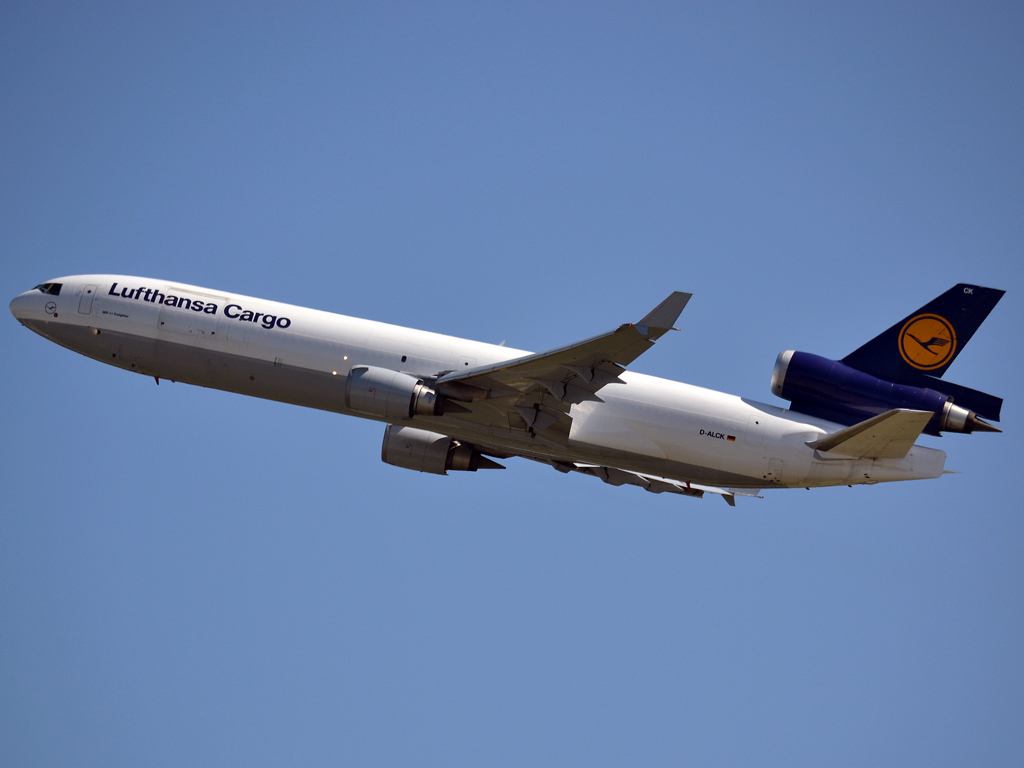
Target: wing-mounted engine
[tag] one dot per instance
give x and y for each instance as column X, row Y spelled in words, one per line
column 834, row 391
column 424, row 451
column 393, row 395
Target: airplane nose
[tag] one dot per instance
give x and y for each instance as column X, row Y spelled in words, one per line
column 22, row 305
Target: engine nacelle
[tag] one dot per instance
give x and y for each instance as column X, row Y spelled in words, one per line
column 424, row 451
column 834, row 391
column 390, row 394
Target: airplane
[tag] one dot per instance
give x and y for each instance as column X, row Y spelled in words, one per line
column 451, row 404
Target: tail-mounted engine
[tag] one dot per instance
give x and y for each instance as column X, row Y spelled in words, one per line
column 424, row 451
column 831, row 390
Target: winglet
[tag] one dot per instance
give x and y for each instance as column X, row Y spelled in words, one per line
column 663, row 317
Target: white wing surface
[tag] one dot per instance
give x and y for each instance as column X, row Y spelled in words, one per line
column 535, row 392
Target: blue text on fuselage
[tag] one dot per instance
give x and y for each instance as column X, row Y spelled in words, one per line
column 232, row 311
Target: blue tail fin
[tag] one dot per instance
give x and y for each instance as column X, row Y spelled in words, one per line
column 920, row 348
column 928, row 340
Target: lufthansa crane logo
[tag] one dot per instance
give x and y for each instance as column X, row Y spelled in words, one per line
column 927, row 342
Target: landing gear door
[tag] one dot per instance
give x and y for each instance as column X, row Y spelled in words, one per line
column 85, row 303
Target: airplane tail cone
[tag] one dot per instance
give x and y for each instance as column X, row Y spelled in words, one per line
column 976, row 424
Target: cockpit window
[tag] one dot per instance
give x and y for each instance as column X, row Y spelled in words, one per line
column 51, row 288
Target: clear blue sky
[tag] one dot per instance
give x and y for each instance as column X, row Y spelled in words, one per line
column 189, row 577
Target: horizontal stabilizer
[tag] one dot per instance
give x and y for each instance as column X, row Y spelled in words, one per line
column 889, row 435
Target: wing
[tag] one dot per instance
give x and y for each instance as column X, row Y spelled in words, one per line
column 534, row 393
column 652, row 483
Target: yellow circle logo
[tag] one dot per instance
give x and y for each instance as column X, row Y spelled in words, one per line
column 927, row 342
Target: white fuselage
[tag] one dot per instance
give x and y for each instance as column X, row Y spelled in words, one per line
column 303, row 356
